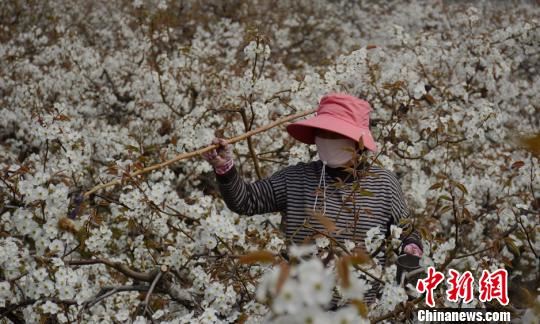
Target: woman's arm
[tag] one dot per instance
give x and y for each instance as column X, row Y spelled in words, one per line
column 263, row 196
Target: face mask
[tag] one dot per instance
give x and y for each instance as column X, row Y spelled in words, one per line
column 333, row 150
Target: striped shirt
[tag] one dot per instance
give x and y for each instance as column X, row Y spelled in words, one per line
column 292, row 191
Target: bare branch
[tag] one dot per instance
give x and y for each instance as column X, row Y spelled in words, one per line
column 106, row 292
column 252, row 152
column 152, row 287
column 124, row 269
column 9, row 310
column 202, row 150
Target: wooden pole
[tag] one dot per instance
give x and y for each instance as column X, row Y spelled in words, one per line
column 187, row 155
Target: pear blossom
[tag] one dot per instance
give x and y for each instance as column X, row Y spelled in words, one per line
column 5, row 293
column 316, row 282
column 299, row 251
column 50, row 308
column 374, row 238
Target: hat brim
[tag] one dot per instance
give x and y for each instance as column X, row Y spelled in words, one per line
column 304, row 130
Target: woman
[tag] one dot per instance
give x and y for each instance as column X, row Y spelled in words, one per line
column 339, row 126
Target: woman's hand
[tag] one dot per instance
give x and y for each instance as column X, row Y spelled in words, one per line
column 222, row 158
column 413, row 249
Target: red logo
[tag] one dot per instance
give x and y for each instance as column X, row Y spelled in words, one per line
column 461, row 286
column 433, row 279
column 494, row 286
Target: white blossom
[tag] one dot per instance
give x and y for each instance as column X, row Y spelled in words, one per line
column 374, row 238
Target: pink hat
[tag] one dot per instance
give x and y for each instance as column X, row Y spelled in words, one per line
column 340, row 113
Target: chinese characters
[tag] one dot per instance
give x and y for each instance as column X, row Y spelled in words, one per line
column 492, row 285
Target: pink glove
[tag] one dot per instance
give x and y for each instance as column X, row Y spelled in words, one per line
column 222, row 158
column 413, row 249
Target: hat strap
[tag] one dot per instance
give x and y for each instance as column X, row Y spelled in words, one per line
column 323, row 180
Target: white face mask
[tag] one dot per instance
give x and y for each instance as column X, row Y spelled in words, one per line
column 333, row 150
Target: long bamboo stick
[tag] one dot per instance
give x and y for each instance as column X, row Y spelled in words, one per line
column 183, row 156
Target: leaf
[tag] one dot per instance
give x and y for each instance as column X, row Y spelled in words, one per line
column 242, row 318
column 461, row 187
column 361, row 143
column 138, row 165
column 262, row 256
column 325, row 221
column 517, row 164
column 511, row 245
column 66, row 224
column 62, row 117
column 530, row 143
column 445, row 197
column 496, row 246
column 436, row 186
column 394, row 86
column 112, row 169
column 429, row 98
column 507, row 262
column 23, row 169
column 425, row 233
column 132, row 225
column 526, row 296
column 365, row 192
column 339, row 183
column 359, row 256
column 143, row 158
column 405, row 221
column 467, row 214
column 132, row 148
column 150, row 244
column 151, row 148
column 368, row 212
column 158, row 303
column 342, row 266
column 371, row 46
column 444, row 209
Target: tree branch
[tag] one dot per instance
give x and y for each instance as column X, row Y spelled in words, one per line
column 106, row 292
column 202, row 150
column 163, row 269
column 250, row 145
column 124, row 269
column 9, row 310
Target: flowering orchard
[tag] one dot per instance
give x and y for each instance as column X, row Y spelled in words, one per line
column 92, row 91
